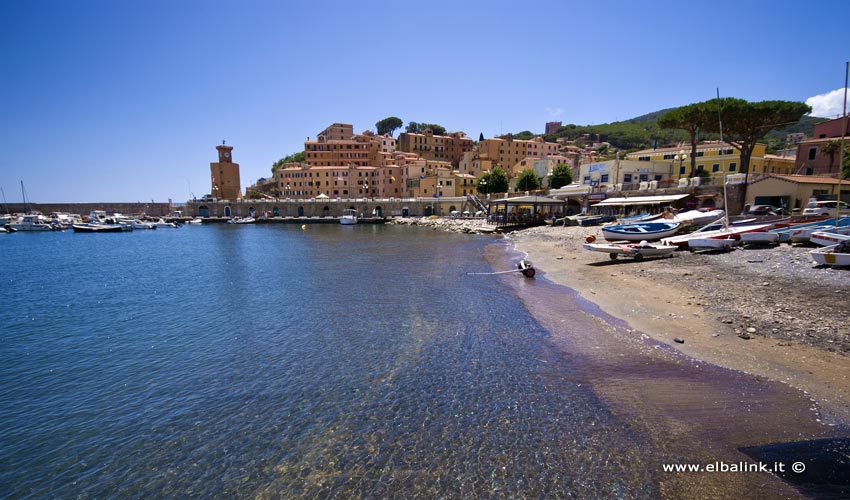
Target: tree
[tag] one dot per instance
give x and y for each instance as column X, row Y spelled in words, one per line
column 481, row 137
column 527, row 181
column 494, row 182
column 561, row 176
column 418, row 128
column 831, row 148
column 388, row 125
column 412, row 128
column 691, row 118
column 293, row 158
column 746, row 123
column 845, row 171
column 525, row 135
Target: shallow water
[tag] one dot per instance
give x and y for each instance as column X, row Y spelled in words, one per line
column 274, row 362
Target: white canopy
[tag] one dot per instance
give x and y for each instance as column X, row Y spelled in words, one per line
column 641, row 200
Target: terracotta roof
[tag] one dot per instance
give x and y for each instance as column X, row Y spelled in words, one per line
column 810, row 179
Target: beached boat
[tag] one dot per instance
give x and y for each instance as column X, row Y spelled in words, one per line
column 635, row 250
column 724, row 244
column 760, row 238
column 729, row 232
column 834, row 255
column 644, row 231
column 699, row 218
column 832, row 237
column 803, row 234
column 349, row 217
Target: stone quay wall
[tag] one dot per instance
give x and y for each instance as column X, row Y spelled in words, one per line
column 150, row 209
column 327, row 208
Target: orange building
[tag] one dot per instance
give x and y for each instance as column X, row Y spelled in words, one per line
column 224, row 176
column 507, row 151
column 449, row 147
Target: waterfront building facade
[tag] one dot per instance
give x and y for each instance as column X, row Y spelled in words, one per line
column 794, row 191
column 714, row 158
column 448, row 148
column 813, row 156
column 224, row 175
column 507, row 151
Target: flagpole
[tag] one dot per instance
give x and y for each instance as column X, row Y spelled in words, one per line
column 841, row 149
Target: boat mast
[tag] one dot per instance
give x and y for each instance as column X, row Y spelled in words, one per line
column 725, row 201
column 5, row 203
column 24, row 197
column 841, row 149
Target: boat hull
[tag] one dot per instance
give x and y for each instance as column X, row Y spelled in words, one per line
column 724, row 244
column 98, row 228
column 636, row 250
column 827, row 256
column 640, row 232
column 826, row 238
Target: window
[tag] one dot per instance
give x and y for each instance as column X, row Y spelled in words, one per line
column 813, row 152
column 682, row 169
column 700, row 153
column 627, row 177
column 715, row 167
column 586, row 179
column 733, row 166
column 603, row 178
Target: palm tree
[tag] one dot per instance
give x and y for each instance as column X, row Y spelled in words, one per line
column 831, row 148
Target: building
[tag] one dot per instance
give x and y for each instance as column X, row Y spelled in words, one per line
column 338, row 146
column 794, row 191
column 624, row 174
column 507, row 151
column 779, row 164
column 449, row 147
column 714, row 158
column 224, row 175
column 552, row 127
column 813, row 158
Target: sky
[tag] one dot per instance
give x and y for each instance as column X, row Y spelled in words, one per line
column 104, row 101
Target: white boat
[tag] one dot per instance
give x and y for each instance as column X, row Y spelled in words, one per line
column 139, row 224
column 832, row 237
column 161, row 223
column 241, row 220
column 635, row 250
column 759, row 238
column 196, row 220
column 724, row 244
column 349, row 217
column 699, row 217
column 640, row 231
column 31, row 222
column 98, row 227
column 803, row 234
column 834, row 255
column 730, row 232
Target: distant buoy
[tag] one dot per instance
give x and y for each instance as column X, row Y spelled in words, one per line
column 303, row 227
column 590, row 239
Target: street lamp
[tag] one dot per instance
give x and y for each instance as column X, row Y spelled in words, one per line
column 483, row 184
column 681, row 156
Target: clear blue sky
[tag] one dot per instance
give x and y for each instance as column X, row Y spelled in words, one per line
column 126, row 100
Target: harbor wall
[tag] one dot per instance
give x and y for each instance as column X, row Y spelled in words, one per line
column 327, row 208
column 151, row 209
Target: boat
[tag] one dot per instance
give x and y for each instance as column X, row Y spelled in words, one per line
column 139, row 224
column 760, row 238
column 833, row 255
column 699, row 218
column 98, row 227
column 644, row 231
column 803, row 234
column 349, row 217
column 724, row 244
column 832, row 237
column 635, row 250
column 728, row 232
column 241, row 220
column 31, row 222
column 195, row 221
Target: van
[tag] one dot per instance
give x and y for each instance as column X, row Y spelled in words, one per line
column 826, row 208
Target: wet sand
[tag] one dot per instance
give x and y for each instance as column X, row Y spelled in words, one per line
column 700, row 400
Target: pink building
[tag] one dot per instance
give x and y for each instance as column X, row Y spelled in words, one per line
column 811, row 157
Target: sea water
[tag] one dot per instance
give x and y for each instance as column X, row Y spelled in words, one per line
column 246, row 361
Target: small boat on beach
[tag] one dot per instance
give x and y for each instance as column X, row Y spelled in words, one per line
column 349, row 217
column 642, row 231
column 724, row 244
column 834, row 255
column 828, row 238
column 635, row 250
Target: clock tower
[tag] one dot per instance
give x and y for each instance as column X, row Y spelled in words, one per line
column 224, row 175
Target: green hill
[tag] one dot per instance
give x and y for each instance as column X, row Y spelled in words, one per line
column 642, row 132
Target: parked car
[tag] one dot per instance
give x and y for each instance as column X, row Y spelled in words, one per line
column 826, row 208
column 764, row 210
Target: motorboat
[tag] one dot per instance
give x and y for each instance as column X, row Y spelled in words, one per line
column 241, row 220
column 140, row 224
column 640, row 231
column 635, row 250
column 161, row 223
column 98, row 227
column 195, row 221
column 31, row 222
column 349, row 217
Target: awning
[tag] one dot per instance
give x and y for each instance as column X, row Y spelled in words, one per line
column 640, row 200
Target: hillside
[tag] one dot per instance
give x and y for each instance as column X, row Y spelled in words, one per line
column 642, row 132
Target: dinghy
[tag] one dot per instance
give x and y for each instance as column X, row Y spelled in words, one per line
column 635, row 250
column 644, row 231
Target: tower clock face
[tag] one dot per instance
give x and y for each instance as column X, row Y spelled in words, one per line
column 226, row 154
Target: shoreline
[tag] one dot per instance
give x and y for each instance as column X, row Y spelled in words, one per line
column 712, row 305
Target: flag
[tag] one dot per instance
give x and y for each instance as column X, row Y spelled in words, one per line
column 655, row 145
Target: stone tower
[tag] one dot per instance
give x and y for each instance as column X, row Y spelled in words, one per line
column 224, row 175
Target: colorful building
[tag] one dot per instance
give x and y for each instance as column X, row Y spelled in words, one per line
column 448, row 148
column 224, row 175
column 813, row 156
column 715, row 158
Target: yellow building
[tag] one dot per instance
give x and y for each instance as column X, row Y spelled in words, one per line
column 794, row 191
column 224, row 176
column 713, row 157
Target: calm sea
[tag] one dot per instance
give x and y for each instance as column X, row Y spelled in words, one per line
column 268, row 361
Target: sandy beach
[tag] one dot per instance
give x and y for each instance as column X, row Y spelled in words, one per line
column 767, row 312
column 754, row 349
